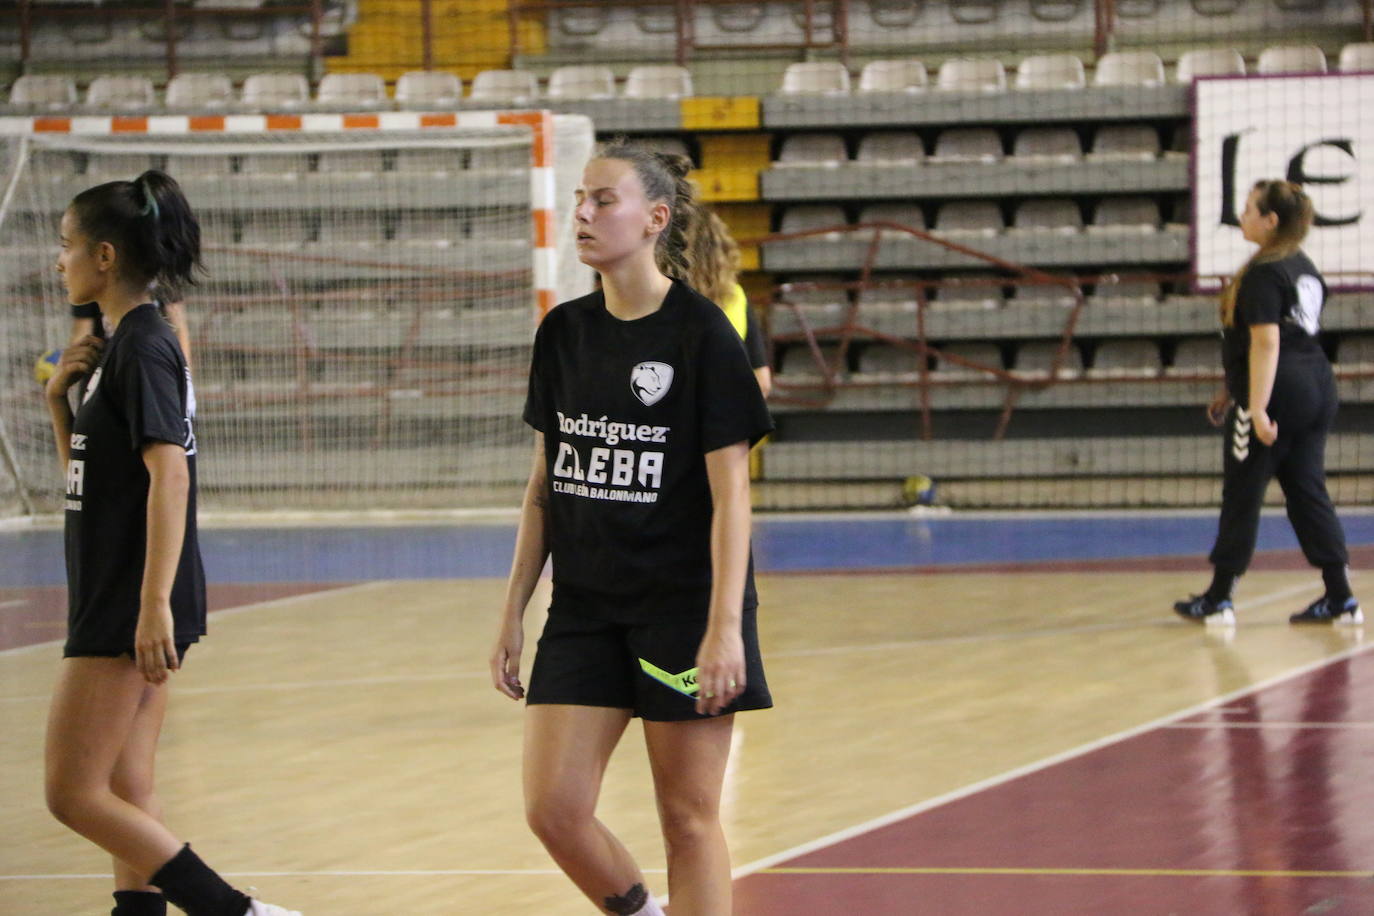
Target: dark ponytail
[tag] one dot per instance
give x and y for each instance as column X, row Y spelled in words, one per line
column 664, row 177
column 148, row 221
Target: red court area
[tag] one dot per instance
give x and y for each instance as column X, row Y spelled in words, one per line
column 1260, row 806
column 36, row 615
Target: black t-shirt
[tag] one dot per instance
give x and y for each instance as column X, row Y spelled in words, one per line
column 1288, row 292
column 137, row 395
column 753, row 341
column 629, row 410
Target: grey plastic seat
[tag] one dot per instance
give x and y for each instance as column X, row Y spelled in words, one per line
column 1196, row 354
column 658, row 82
column 969, row 217
column 976, row 295
column 1125, row 294
column 888, row 359
column 268, row 91
column 968, row 144
column 1357, row 57
column 121, row 93
column 43, row 92
column 986, row 355
column 361, row 91
column 805, row 217
column 1126, row 214
column 890, row 148
column 1050, row 71
column 200, row 91
column 812, row 149
column 582, row 82
column 1126, row 358
column 1125, row 141
column 504, row 86
column 1034, row 357
column 908, row 75
column 1291, row 59
column 1129, row 68
column 1208, row 62
column 971, row 74
column 1043, row 295
column 1047, row 215
column 903, row 214
column 815, row 78
column 428, row 89
column 1050, row 144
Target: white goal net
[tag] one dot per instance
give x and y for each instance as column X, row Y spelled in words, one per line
column 362, row 338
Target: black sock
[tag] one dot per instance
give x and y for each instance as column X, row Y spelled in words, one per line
column 189, row 883
column 139, row 903
column 1337, row 581
column 1223, row 583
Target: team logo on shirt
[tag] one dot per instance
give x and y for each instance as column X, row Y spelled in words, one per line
column 650, row 381
column 93, row 384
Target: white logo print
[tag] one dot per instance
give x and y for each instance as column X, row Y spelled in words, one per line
column 650, row 381
column 1240, row 436
column 92, row 384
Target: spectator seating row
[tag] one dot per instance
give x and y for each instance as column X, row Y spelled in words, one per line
column 984, row 218
column 425, row 89
column 971, row 144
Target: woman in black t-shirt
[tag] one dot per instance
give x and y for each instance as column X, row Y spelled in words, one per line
column 1278, row 406
column 136, row 589
column 644, row 409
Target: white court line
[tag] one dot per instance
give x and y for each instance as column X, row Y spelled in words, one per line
column 869, row 826
column 17, row 602
column 227, row 612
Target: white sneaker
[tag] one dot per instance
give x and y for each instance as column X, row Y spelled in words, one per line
column 258, row 908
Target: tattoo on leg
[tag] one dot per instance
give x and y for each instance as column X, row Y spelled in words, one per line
column 632, row 901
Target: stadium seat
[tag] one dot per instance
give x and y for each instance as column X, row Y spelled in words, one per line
column 805, row 217
column 1030, row 295
column 894, row 76
column 582, row 82
column 812, row 149
column 1357, row 57
column 200, row 91
column 265, row 91
column 1291, row 59
column 1126, row 214
column 1355, row 350
column 1060, row 144
column 888, row 359
column 428, row 89
column 1047, row 215
column 1126, row 357
column 505, row 86
column 890, row 148
column 655, row 82
column 975, row 295
column 1050, row 71
column 1137, row 9
column 1036, row 356
column 969, row 217
column 971, row 74
column 1125, row 294
column 815, row 78
column 1056, row 10
column 361, row 91
column 903, row 214
column 1129, row 68
column 1208, row 62
column 121, row 93
column 43, row 92
column 1196, row 354
column 1125, row 141
column 968, row 144
column 988, row 355
column 426, row 229
column 974, row 12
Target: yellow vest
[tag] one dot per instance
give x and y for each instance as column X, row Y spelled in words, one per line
column 736, row 308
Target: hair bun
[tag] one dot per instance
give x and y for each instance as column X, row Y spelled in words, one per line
column 677, row 164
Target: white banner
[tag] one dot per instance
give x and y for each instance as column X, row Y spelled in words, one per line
column 1315, row 130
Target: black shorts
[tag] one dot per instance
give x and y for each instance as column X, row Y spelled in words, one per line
column 182, row 649
column 587, row 661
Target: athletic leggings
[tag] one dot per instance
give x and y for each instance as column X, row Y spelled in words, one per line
column 1303, row 404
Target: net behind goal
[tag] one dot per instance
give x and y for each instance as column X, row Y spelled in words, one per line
column 362, row 338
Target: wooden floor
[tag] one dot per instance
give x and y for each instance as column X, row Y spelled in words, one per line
column 343, row 752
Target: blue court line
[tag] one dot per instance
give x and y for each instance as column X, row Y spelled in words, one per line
column 353, row 554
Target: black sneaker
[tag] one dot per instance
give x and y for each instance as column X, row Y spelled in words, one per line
column 1201, row 609
column 1323, row 611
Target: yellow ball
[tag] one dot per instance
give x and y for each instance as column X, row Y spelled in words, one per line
column 918, row 490
column 46, row 366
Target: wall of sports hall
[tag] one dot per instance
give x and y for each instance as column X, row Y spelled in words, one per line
column 984, row 241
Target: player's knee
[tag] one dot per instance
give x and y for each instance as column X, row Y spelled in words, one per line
column 553, row 816
column 688, row 821
column 65, row 801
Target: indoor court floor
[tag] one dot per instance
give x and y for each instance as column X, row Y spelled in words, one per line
column 984, row 715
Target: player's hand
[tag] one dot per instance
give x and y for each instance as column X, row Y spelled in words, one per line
column 505, row 659
column 1266, row 430
column 720, row 670
column 1216, row 411
column 77, row 361
column 155, row 650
